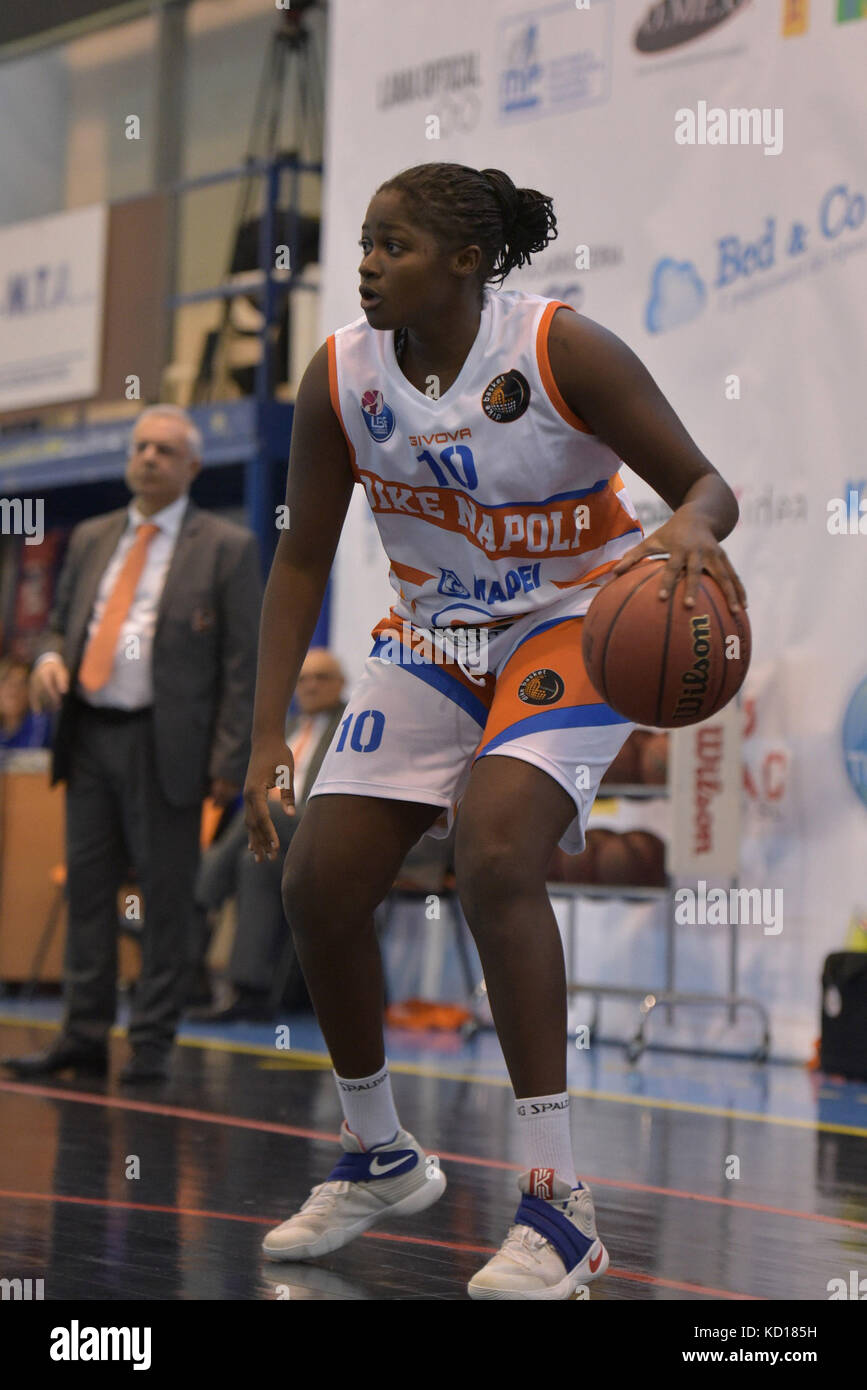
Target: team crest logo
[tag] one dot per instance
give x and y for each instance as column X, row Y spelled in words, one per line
column 506, row 397
column 378, row 416
column 542, row 687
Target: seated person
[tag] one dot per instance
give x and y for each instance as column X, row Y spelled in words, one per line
column 228, row 869
column 20, row 727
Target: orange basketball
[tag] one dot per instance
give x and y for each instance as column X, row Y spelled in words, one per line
column 653, row 760
column 657, row 662
column 581, row 868
column 626, row 767
column 614, row 860
column 647, row 858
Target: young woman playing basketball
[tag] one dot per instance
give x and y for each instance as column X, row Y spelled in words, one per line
column 487, row 428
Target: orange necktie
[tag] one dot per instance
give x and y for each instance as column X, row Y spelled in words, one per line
column 302, row 738
column 98, row 662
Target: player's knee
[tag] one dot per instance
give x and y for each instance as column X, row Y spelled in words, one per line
column 300, row 890
column 489, row 866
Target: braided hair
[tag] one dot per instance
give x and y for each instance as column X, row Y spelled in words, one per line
column 464, row 206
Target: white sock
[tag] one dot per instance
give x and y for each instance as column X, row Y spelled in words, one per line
column 543, row 1124
column 368, row 1107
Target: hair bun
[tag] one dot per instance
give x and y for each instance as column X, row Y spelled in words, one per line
column 507, row 195
column 464, row 206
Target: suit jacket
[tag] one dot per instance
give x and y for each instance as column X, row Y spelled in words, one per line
column 204, row 651
column 336, row 714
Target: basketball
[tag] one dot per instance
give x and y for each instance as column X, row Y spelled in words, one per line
column 656, row 661
column 626, row 767
column 580, row 868
column 653, row 760
column 647, row 858
column 614, row 859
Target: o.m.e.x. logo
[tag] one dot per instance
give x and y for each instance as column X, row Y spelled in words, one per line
column 542, row 687
column 506, row 397
column 673, row 22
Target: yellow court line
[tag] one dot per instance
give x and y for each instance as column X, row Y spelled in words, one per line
column 321, row 1061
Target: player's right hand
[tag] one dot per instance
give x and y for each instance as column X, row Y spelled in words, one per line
column 48, row 684
column 271, row 765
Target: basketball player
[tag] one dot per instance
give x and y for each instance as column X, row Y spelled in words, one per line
column 487, row 429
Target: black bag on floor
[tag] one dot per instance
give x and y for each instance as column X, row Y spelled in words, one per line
column 844, row 1015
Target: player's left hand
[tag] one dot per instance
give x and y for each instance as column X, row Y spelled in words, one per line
column 690, row 546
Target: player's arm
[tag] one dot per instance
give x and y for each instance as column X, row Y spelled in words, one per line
column 318, row 489
column 610, row 389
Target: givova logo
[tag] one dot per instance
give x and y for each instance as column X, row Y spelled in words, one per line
column 769, row 257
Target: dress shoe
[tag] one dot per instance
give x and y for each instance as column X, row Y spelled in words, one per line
column 198, row 992
column 242, row 1006
column 63, row 1055
column 146, row 1064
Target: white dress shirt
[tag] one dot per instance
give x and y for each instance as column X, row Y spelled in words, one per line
column 303, row 745
column 130, row 685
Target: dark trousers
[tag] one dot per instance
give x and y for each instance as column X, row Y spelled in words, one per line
column 117, row 818
column 228, row 868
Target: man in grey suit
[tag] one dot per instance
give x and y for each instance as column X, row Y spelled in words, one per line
column 150, row 661
column 228, row 868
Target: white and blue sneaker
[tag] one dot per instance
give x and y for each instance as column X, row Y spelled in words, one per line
column 366, row 1186
column 552, row 1248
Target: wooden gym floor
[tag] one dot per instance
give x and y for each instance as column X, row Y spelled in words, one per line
column 232, row 1143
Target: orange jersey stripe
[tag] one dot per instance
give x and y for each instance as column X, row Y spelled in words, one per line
column 553, row 530
column 335, row 402
column 545, row 372
column 559, row 648
column 589, row 576
column 411, row 575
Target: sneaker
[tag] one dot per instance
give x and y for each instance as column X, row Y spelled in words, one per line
column 552, row 1248
column 393, row 1179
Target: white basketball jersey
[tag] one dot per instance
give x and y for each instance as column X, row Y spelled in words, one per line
column 493, row 498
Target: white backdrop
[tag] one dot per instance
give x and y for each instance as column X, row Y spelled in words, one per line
column 712, row 261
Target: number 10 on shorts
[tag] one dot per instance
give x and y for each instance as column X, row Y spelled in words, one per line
column 365, row 738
